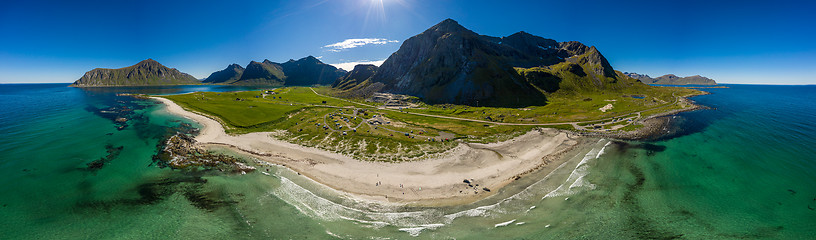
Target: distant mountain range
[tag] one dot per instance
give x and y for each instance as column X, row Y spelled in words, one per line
column 145, row 73
column 446, row 63
column 671, row 79
column 305, row 71
column 449, row 63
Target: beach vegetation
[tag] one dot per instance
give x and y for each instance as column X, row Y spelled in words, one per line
column 366, row 130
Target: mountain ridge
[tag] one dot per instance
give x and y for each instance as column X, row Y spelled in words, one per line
column 447, row 63
column 671, row 79
column 262, row 73
column 147, row 72
column 303, row 72
column 230, row 74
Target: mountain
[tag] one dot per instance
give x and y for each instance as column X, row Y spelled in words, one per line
column 309, row 71
column 671, row 79
column 303, row 72
column 145, row 73
column 642, row 77
column 357, row 83
column 230, row 74
column 262, row 73
column 449, row 63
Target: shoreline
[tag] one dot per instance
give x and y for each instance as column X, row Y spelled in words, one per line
column 465, row 174
column 654, row 126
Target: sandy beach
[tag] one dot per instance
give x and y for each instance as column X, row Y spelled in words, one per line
column 439, row 181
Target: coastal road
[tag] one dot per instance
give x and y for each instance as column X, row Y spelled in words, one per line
column 574, row 123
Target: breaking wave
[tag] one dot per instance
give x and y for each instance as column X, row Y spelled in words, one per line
column 415, row 221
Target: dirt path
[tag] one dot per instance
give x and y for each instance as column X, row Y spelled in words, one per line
column 574, row 123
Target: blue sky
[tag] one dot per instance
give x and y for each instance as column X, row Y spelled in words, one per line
column 733, row 42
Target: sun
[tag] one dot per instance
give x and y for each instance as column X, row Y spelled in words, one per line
column 376, row 11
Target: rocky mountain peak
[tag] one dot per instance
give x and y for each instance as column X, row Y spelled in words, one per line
column 363, row 67
column 670, row 76
column 149, row 63
column 310, row 70
column 521, row 34
column 449, row 26
column 573, row 48
column 310, row 58
column 230, row 74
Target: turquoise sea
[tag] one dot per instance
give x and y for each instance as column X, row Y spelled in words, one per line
column 78, row 164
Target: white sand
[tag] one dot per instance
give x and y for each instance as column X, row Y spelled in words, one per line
column 427, row 182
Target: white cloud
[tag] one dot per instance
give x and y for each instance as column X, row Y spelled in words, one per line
column 348, row 66
column 357, row 42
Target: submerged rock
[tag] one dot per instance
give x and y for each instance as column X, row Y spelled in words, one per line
column 112, row 151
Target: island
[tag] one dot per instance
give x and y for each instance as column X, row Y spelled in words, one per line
column 145, row 73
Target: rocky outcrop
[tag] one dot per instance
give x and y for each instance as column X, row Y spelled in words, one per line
column 181, row 151
column 145, row 73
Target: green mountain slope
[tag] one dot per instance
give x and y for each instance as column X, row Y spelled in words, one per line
column 145, row 73
column 309, row 71
column 230, row 74
column 359, row 74
column 262, row 73
column 450, row 64
column 357, row 83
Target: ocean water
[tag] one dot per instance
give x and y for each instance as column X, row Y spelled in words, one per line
column 72, row 168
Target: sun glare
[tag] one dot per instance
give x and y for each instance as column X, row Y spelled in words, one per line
column 376, row 11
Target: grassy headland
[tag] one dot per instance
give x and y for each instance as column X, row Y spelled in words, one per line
column 370, row 131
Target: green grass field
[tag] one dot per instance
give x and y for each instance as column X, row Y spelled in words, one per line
column 364, row 130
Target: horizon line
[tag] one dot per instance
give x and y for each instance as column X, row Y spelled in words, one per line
column 777, row 84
